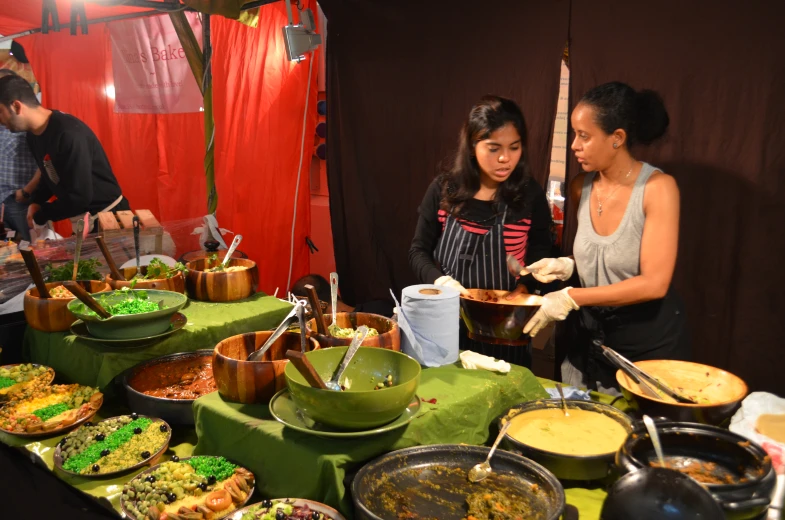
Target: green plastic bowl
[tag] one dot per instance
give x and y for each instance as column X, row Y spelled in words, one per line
column 361, row 407
column 130, row 326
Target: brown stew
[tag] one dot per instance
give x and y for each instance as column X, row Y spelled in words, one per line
column 188, row 378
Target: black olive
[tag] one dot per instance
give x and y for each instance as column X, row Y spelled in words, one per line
column 62, row 441
column 316, row 515
column 163, row 428
column 280, row 515
column 150, row 479
column 96, row 467
column 203, row 486
column 171, row 497
column 175, row 458
column 134, row 416
column 267, row 504
column 145, row 454
column 100, row 437
column 88, row 423
column 104, row 453
column 137, row 431
column 211, row 480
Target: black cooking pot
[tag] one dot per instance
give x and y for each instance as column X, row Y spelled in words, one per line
column 564, row 466
column 657, row 493
column 417, row 480
column 748, row 495
column 173, row 411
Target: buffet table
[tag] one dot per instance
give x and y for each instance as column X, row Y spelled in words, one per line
column 94, row 364
column 289, row 463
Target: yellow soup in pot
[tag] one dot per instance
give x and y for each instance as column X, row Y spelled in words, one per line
column 582, row 433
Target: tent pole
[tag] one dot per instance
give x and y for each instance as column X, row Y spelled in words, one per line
column 89, row 22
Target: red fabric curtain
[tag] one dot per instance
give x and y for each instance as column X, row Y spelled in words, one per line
column 259, row 104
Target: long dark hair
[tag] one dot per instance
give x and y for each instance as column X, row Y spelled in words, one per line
column 641, row 115
column 462, row 180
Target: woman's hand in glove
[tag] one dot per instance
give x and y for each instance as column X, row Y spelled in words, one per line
column 555, row 307
column 449, row 281
column 549, row 269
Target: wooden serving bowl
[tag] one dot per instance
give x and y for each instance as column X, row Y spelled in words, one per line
column 176, row 283
column 389, row 334
column 221, row 286
column 251, row 382
column 719, row 393
column 52, row 314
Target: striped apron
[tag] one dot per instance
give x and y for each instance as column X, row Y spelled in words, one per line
column 477, row 259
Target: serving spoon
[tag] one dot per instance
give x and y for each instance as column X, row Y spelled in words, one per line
column 257, row 355
column 563, row 402
column 335, row 382
column 78, row 249
column 655, row 439
column 232, row 249
column 483, row 470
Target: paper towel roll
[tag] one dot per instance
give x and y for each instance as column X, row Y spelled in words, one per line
column 428, row 317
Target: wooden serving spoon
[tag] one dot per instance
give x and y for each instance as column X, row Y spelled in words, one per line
column 305, row 367
column 316, row 309
column 35, row 272
column 88, row 300
column 116, row 273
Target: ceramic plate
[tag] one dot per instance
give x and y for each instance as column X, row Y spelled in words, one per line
column 284, row 410
column 151, row 460
column 79, row 329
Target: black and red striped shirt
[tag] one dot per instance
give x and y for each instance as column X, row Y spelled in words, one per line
column 527, row 234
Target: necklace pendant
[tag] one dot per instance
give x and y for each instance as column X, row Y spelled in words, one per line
column 599, row 210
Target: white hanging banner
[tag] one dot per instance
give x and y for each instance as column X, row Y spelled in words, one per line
column 150, row 68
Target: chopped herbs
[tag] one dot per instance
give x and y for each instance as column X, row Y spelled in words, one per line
column 158, row 270
column 6, row 382
column 50, row 411
column 135, row 302
column 218, row 467
column 88, row 270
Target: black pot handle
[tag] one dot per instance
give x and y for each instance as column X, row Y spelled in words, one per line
column 745, row 504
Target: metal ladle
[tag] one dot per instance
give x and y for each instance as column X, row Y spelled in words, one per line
column 655, row 438
column 483, row 470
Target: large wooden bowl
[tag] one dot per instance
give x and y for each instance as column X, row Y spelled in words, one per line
column 389, row 334
column 176, row 283
column 221, row 286
column 52, row 314
column 253, row 381
column 719, row 393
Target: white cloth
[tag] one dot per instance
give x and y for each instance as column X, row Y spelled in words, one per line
column 474, row 361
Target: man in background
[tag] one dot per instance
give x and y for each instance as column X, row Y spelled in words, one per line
column 19, row 176
column 74, row 167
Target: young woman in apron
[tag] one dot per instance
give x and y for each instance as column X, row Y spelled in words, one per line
column 484, row 208
column 626, row 244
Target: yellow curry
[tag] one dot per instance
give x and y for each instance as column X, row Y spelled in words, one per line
column 582, row 433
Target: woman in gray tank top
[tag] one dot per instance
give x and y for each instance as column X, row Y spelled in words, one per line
column 626, row 244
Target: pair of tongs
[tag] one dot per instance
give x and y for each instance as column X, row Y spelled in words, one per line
column 297, row 313
column 646, row 382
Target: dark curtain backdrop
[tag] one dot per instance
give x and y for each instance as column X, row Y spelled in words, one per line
column 402, row 77
column 719, row 67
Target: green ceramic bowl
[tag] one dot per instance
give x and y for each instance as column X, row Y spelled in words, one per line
column 130, row 326
column 361, row 407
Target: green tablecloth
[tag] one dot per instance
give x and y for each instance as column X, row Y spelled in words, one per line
column 289, row 463
column 94, row 364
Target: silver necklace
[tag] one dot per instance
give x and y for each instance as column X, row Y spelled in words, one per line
column 601, row 202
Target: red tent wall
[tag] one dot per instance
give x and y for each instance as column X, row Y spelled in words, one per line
column 259, row 103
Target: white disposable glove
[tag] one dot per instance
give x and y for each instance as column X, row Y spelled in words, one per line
column 449, row 281
column 473, row 361
column 549, row 269
column 555, row 307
